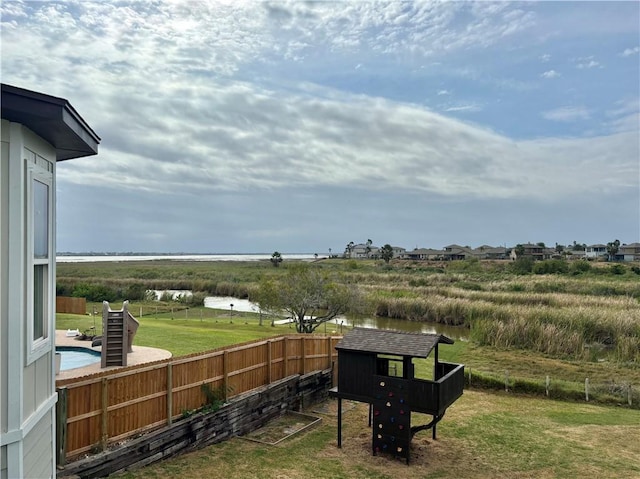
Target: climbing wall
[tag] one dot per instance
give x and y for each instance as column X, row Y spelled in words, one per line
column 391, row 417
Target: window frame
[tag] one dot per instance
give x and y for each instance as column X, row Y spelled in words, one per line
column 38, row 347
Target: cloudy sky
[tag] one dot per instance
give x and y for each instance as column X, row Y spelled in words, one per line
column 301, row 126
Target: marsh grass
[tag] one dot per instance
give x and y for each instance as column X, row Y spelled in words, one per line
column 581, row 315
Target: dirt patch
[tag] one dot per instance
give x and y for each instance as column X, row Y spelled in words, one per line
column 282, row 427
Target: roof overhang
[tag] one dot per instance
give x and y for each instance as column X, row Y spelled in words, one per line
column 53, row 119
column 383, row 341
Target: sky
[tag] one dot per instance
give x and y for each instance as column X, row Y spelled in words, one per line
column 253, row 127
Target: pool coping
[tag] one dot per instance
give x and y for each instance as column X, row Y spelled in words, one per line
column 140, row 355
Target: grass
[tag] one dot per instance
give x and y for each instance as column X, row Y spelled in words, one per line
column 483, row 435
column 202, row 329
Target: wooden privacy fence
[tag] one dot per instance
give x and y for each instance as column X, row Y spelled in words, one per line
column 95, row 411
column 67, row 304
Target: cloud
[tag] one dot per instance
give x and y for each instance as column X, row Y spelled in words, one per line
column 550, row 74
column 630, row 51
column 587, row 63
column 567, row 114
column 471, row 108
column 219, row 112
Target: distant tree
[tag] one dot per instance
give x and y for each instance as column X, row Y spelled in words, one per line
column 367, row 249
column 541, row 244
column 578, row 247
column 519, row 249
column 308, row 296
column 315, row 255
column 276, row 259
column 612, row 249
column 386, row 253
column 559, row 248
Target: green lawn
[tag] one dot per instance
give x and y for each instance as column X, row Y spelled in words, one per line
column 483, row 435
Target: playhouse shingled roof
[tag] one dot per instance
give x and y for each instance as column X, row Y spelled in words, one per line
column 382, row 341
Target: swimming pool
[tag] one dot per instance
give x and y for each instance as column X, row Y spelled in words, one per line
column 73, row 357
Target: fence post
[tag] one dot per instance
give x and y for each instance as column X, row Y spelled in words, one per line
column 61, row 426
column 285, row 356
column 105, row 419
column 586, row 389
column 329, row 362
column 506, row 380
column 225, row 374
column 269, row 361
column 629, row 394
column 169, row 393
column 547, row 386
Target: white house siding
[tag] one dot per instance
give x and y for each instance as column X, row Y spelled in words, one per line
column 40, row 438
column 4, row 276
column 28, row 398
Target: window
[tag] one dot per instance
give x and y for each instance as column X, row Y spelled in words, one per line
column 39, row 258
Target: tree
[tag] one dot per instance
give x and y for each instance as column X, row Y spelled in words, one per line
column 307, row 295
column 386, row 253
column 519, row 249
column 367, row 248
column 612, row 249
column 276, row 259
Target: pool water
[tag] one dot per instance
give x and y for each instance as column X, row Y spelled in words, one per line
column 73, row 357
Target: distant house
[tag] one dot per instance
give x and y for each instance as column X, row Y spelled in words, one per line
column 533, row 251
column 398, row 251
column 359, row 251
column 595, row 251
column 575, row 254
column 456, row 252
column 37, row 132
column 628, row 252
column 490, row 252
column 423, row 254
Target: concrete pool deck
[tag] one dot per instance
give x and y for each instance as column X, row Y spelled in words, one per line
column 140, row 355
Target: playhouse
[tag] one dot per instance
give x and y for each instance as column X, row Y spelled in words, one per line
column 376, row 367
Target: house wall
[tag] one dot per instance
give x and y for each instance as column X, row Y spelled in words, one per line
column 4, row 276
column 27, row 371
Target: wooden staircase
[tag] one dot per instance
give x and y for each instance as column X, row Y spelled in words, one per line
column 114, row 335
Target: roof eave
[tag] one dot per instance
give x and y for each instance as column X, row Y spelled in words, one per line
column 54, row 119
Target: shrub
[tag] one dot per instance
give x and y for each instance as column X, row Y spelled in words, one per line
column 580, row 266
column 94, row 292
column 551, row 266
column 522, row 265
column 617, row 269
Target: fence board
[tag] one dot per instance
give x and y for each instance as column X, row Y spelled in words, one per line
column 140, row 398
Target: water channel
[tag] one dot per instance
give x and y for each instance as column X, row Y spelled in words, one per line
column 341, row 323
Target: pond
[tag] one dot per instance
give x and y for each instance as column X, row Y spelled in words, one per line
column 228, row 303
